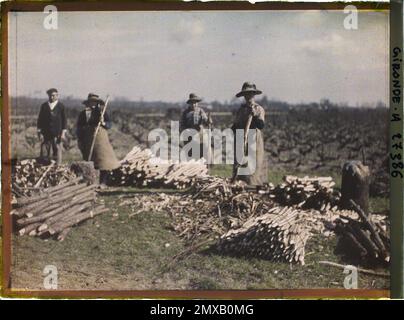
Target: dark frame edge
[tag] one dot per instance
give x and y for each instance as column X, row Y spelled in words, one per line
column 396, row 183
column 5, row 154
column 204, row 294
column 178, row 5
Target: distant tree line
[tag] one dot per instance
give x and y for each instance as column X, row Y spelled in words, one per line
column 24, row 105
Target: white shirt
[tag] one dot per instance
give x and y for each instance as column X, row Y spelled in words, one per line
column 88, row 114
column 52, row 105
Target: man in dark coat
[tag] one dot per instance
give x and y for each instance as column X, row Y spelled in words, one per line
column 103, row 155
column 52, row 126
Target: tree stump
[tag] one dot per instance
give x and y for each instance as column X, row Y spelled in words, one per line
column 86, row 170
column 355, row 185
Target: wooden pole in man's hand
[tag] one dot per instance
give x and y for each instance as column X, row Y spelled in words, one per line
column 97, row 129
column 209, row 142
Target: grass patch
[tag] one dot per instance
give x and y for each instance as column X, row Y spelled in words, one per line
column 379, row 205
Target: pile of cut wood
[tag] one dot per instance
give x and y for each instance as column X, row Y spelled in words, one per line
column 308, row 192
column 250, row 221
column 279, row 235
column 29, row 175
column 55, row 210
column 141, row 168
column 215, row 207
column 366, row 236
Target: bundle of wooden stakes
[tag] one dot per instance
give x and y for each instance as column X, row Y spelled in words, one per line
column 141, row 168
column 250, row 221
column 28, row 176
column 307, row 192
column 54, row 210
column 279, row 235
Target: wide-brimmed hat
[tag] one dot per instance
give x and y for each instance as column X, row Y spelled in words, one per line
column 193, row 98
column 248, row 87
column 92, row 97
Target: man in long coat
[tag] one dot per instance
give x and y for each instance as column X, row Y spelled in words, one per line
column 103, row 155
column 257, row 113
column 51, row 125
column 194, row 117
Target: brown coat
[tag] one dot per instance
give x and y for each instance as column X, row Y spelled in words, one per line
column 104, row 157
column 260, row 176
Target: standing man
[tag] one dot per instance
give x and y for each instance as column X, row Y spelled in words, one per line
column 52, row 126
column 253, row 111
column 103, row 156
column 194, row 117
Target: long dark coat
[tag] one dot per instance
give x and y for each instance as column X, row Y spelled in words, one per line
column 52, row 122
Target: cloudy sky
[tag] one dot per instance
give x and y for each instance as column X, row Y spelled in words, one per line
column 292, row 56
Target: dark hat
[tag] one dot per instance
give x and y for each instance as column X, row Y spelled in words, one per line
column 248, row 87
column 51, row 90
column 92, row 97
column 193, row 98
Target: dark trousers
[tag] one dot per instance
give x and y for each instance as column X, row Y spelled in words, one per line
column 51, row 148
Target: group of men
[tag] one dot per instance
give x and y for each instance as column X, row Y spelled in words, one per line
column 52, row 128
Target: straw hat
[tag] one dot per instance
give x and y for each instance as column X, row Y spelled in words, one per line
column 92, row 97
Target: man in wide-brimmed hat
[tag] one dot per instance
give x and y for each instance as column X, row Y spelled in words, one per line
column 252, row 109
column 194, row 117
column 103, row 156
column 51, row 126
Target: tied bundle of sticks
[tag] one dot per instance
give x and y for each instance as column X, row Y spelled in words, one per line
column 55, row 210
column 308, row 192
column 30, row 175
column 279, row 235
column 141, row 168
column 367, row 238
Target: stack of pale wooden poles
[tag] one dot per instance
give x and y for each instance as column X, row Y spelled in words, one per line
column 55, row 210
column 365, row 237
column 248, row 221
column 141, row 168
column 279, row 235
